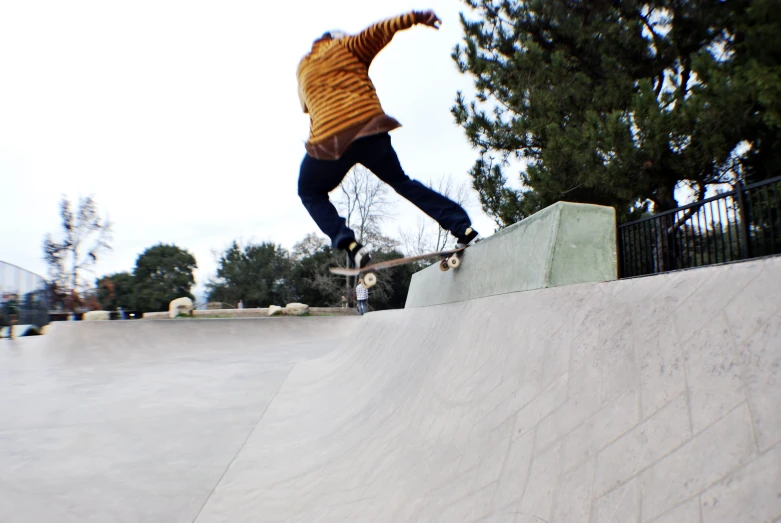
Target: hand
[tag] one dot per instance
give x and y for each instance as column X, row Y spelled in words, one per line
column 430, row 19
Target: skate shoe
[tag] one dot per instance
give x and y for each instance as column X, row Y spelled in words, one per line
column 469, row 235
column 359, row 255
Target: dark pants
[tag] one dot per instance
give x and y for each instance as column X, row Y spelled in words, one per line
column 319, row 177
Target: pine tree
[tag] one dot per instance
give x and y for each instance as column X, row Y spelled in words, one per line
column 618, row 103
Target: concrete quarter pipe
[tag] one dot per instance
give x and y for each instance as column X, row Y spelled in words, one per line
column 653, row 399
column 643, row 400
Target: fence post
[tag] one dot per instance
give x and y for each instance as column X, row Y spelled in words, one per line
column 619, row 252
column 744, row 220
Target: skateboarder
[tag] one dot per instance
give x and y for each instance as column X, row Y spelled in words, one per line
column 348, row 126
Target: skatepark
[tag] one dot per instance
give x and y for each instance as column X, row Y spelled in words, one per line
column 529, row 385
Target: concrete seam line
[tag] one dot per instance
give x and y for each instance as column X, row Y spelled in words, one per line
column 243, row 443
column 555, row 227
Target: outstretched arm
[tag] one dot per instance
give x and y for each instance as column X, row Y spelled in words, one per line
column 366, row 44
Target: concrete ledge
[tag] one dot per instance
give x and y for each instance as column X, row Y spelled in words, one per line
column 253, row 313
column 96, row 316
column 564, row 244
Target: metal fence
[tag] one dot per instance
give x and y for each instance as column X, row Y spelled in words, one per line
column 736, row 225
column 23, row 297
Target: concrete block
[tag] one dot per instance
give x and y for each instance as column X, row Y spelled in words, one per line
column 97, row 316
column 296, row 309
column 155, row 316
column 564, row 244
column 275, row 310
column 230, row 313
column 180, row 306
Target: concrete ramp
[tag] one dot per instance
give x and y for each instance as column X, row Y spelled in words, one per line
column 137, row 421
column 653, row 399
column 615, row 402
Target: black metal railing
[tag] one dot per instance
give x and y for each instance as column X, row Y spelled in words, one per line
column 24, row 298
column 736, row 225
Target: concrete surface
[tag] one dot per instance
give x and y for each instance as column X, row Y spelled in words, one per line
column 653, row 399
column 137, row 421
column 564, row 244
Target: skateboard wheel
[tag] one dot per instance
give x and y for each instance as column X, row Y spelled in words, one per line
column 453, row 262
column 370, row 280
column 443, row 266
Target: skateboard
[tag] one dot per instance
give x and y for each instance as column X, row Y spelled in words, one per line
column 450, row 259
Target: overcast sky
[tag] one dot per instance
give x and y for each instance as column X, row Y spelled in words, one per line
column 181, row 118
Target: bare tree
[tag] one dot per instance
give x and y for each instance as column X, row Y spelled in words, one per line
column 364, row 202
column 85, row 237
column 311, row 243
column 428, row 235
column 335, row 288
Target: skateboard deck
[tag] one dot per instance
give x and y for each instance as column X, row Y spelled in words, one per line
column 450, row 259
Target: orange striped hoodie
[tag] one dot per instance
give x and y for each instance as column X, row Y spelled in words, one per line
column 335, row 89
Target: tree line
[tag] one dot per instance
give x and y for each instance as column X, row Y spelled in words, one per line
column 255, row 274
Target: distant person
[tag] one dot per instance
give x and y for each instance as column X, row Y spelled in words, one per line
column 13, row 311
column 348, row 126
column 362, row 295
column 122, row 315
